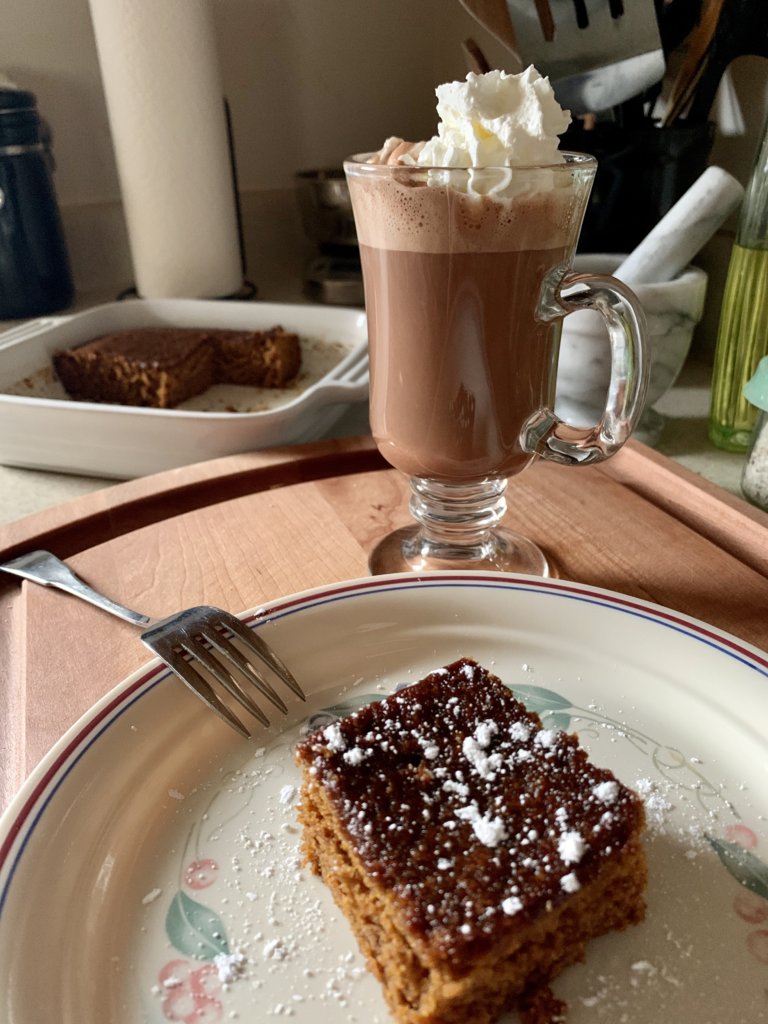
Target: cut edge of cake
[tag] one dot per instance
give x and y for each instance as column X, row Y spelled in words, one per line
column 161, row 367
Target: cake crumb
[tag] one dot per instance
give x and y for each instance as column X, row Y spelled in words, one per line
column 542, row 1007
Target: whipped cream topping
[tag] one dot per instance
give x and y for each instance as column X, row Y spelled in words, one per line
column 491, row 126
column 496, row 120
column 490, row 120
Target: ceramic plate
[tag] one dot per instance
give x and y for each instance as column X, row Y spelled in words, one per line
column 42, row 428
column 149, row 869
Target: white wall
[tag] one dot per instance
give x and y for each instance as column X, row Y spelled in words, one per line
column 308, row 82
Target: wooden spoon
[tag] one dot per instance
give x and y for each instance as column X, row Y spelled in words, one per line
column 476, row 59
column 493, row 15
column 697, row 50
column 742, row 29
column 546, row 20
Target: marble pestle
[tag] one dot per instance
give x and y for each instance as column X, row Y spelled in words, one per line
column 683, row 230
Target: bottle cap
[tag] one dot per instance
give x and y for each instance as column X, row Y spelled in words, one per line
column 756, row 389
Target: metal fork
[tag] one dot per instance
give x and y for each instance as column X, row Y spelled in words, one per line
column 181, row 640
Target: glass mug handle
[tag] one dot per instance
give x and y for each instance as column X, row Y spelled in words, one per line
column 545, row 434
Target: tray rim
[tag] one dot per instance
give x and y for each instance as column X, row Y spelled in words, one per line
column 51, row 327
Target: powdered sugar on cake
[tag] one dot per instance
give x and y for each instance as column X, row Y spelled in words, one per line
column 511, row 815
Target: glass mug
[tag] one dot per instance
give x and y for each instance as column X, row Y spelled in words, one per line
column 467, row 278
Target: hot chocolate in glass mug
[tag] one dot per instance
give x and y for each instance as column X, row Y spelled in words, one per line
column 467, row 277
column 467, row 244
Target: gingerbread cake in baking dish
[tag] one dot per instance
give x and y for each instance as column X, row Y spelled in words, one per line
column 164, row 366
column 474, row 852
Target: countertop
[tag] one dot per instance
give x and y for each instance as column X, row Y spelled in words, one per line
column 684, row 439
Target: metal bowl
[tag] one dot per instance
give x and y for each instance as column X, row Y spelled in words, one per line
column 326, row 210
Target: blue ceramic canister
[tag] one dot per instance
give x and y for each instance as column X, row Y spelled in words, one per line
column 35, row 275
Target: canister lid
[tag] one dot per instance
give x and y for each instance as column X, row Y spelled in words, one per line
column 16, row 99
column 19, row 119
column 756, row 388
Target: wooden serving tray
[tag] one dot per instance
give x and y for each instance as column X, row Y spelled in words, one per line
column 248, row 529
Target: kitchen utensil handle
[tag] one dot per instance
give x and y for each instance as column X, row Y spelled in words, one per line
column 475, row 57
column 742, row 29
column 494, row 16
column 546, row 20
column 582, row 14
column 547, row 435
column 49, row 571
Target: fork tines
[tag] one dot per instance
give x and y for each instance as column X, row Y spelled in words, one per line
column 191, row 638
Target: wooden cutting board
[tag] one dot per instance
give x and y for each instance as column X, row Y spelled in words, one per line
column 248, row 529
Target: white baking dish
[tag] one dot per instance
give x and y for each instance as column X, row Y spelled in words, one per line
column 41, row 428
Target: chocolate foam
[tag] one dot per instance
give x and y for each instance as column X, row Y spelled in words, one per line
column 404, row 209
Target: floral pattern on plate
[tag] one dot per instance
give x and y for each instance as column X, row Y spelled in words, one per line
column 196, row 994
column 149, row 825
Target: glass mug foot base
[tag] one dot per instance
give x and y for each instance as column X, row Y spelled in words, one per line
column 407, row 550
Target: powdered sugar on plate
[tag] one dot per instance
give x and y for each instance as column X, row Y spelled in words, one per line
column 250, row 930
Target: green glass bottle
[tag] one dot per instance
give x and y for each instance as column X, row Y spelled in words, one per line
column 742, row 338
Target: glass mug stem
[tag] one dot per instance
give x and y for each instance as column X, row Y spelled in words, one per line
column 458, row 527
column 452, row 513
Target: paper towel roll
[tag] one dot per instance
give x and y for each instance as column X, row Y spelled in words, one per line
column 165, row 102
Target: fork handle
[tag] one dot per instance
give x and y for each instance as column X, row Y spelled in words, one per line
column 48, row 570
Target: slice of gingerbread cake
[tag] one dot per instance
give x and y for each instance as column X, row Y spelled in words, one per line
column 146, row 366
column 474, row 852
column 161, row 367
column 265, row 359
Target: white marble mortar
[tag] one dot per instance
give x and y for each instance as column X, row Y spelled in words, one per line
column 672, row 309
